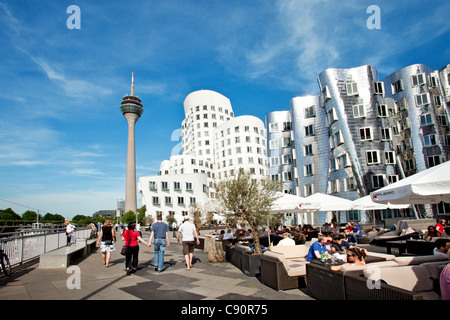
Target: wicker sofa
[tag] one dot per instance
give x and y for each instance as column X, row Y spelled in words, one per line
column 284, row 268
column 400, row 279
column 325, row 284
column 413, row 278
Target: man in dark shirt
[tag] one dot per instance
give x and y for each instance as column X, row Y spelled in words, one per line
column 339, row 247
column 160, row 231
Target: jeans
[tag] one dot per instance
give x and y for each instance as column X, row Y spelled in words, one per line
column 160, row 247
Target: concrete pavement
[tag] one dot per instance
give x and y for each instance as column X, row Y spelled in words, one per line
column 205, row 281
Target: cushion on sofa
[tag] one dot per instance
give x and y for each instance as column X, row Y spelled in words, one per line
column 297, row 270
column 382, row 264
column 413, row 260
column 410, row 278
column 291, row 252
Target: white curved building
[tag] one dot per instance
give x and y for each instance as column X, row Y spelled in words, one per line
column 204, row 111
column 241, row 144
column 215, row 144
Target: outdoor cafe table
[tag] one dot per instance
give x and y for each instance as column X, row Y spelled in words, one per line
column 400, row 245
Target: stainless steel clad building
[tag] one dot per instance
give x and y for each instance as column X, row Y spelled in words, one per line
column 361, row 133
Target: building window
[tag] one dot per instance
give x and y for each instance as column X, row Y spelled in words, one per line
column 287, row 126
column 365, row 134
column 274, row 161
column 287, row 159
column 155, row 200
column 385, row 134
column 422, row 99
column 433, row 161
column 393, row 178
column 192, row 200
column 389, row 157
column 378, row 87
column 164, row 185
column 350, row 184
column 418, row 79
column 426, row 119
column 308, row 150
column 309, row 112
column 309, row 169
column 397, row 86
column 373, row 157
column 382, row 110
column 275, row 177
column 181, row 200
column 410, row 165
column 309, row 190
column 378, row 181
column 168, row 200
column 176, row 186
column 358, row 111
column 273, row 144
column 437, row 101
column 273, row 127
column 189, row 186
column 334, row 186
column 152, row 186
column 429, row 140
column 286, row 142
column 287, row 176
column 309, row 130
column 352, row 89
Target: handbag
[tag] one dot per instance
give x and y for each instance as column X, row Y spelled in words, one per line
column 124, row 250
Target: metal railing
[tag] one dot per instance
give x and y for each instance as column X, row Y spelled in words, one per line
column 29, row 244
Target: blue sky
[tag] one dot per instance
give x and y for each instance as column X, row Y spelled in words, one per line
column 62, row 135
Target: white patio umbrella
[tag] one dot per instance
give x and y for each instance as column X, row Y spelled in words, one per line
column 366, row 203
column 429, row 186
column 330, row 203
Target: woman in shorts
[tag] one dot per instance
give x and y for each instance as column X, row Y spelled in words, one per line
column 106, row 240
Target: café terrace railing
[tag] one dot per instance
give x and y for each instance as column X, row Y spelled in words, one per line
column 27, row 244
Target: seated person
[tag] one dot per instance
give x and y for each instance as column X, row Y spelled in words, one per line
column 262, row 232
column 442, row 247
column 431, row 233
column 326, row 227
column 286, row 241
column 355, row 257
column 339, row 247
column 317, row 248
column 355, row 233
column 440, row 225
column 227, row 235
column 221, row 235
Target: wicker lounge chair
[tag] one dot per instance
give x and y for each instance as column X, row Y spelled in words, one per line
column 284, row 268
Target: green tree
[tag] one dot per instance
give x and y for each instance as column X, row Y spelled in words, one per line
column 247, row 200
column 30, row 215
column 9, row 214
column 129, row 216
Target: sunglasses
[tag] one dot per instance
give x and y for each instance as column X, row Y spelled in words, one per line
column 351, row 255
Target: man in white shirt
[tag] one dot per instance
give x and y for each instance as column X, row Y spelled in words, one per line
column 286, row 241
column 227, row 235
column 188, row 232
column 442, row 247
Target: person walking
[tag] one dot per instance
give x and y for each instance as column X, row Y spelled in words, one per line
column 131, row 237
column 106, row 240
column 174, row 229
column 160, row 231
column 188, row 232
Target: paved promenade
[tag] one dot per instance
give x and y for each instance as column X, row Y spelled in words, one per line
column 205, row 281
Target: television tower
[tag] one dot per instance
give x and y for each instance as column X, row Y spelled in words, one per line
column 132, row 110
